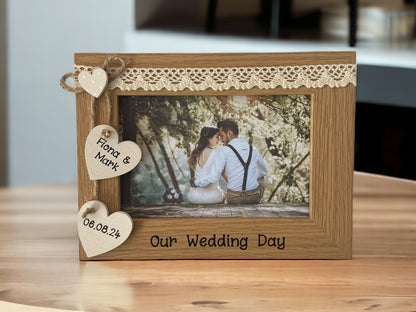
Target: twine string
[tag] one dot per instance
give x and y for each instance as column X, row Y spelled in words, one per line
column 93, row 112
column 88, row 211
column 76, row 88
column 95, row 188
column 113, row 73
column 109, row 106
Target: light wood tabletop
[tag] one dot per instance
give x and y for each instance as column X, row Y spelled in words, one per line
column 40, row 270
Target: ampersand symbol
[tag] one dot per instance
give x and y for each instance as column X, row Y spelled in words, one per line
column 126, row 160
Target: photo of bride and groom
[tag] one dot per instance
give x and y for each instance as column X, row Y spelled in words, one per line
column 237, row 162
column 217, row 155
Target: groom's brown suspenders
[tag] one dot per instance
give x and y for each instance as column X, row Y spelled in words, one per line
column 245, row 164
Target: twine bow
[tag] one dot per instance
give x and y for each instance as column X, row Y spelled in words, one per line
column 112, row 73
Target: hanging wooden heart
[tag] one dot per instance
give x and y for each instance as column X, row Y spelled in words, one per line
column 100, row 232
column 106, row 157
column 94, row 84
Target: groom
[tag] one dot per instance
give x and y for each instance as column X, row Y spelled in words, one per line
column 243, row 165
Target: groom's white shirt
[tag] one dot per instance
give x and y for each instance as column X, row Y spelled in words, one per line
column 226, row 159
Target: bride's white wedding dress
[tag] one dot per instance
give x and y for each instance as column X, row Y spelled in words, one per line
column 212, row 193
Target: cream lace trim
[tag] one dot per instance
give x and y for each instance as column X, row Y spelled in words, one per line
column 225, row 78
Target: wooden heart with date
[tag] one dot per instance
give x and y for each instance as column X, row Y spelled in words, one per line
column 100, row 232
column 106, row 157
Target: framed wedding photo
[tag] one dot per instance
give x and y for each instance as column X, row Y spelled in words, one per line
column 242, row 156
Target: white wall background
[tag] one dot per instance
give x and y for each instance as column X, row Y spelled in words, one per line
column 43, row 36
column 3, row 95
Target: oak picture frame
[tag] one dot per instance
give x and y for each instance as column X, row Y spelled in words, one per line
column 326, row 234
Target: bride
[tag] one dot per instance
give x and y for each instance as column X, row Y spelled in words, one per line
column 201, row 161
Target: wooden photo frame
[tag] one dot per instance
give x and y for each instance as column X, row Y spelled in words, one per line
column 327, row 79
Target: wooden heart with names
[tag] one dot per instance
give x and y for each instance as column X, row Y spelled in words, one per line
column 106, row 157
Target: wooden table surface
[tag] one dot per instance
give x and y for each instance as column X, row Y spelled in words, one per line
column 40, row 271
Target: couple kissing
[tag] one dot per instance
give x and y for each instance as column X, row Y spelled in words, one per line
column 237, row 162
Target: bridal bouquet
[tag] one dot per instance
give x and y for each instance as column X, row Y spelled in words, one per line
column 172, row 196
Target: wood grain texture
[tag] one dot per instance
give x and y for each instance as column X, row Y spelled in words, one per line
column 40, row 269
column 327, row 234
column 219, row 59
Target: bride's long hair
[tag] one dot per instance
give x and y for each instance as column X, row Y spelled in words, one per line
column 201, row 144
